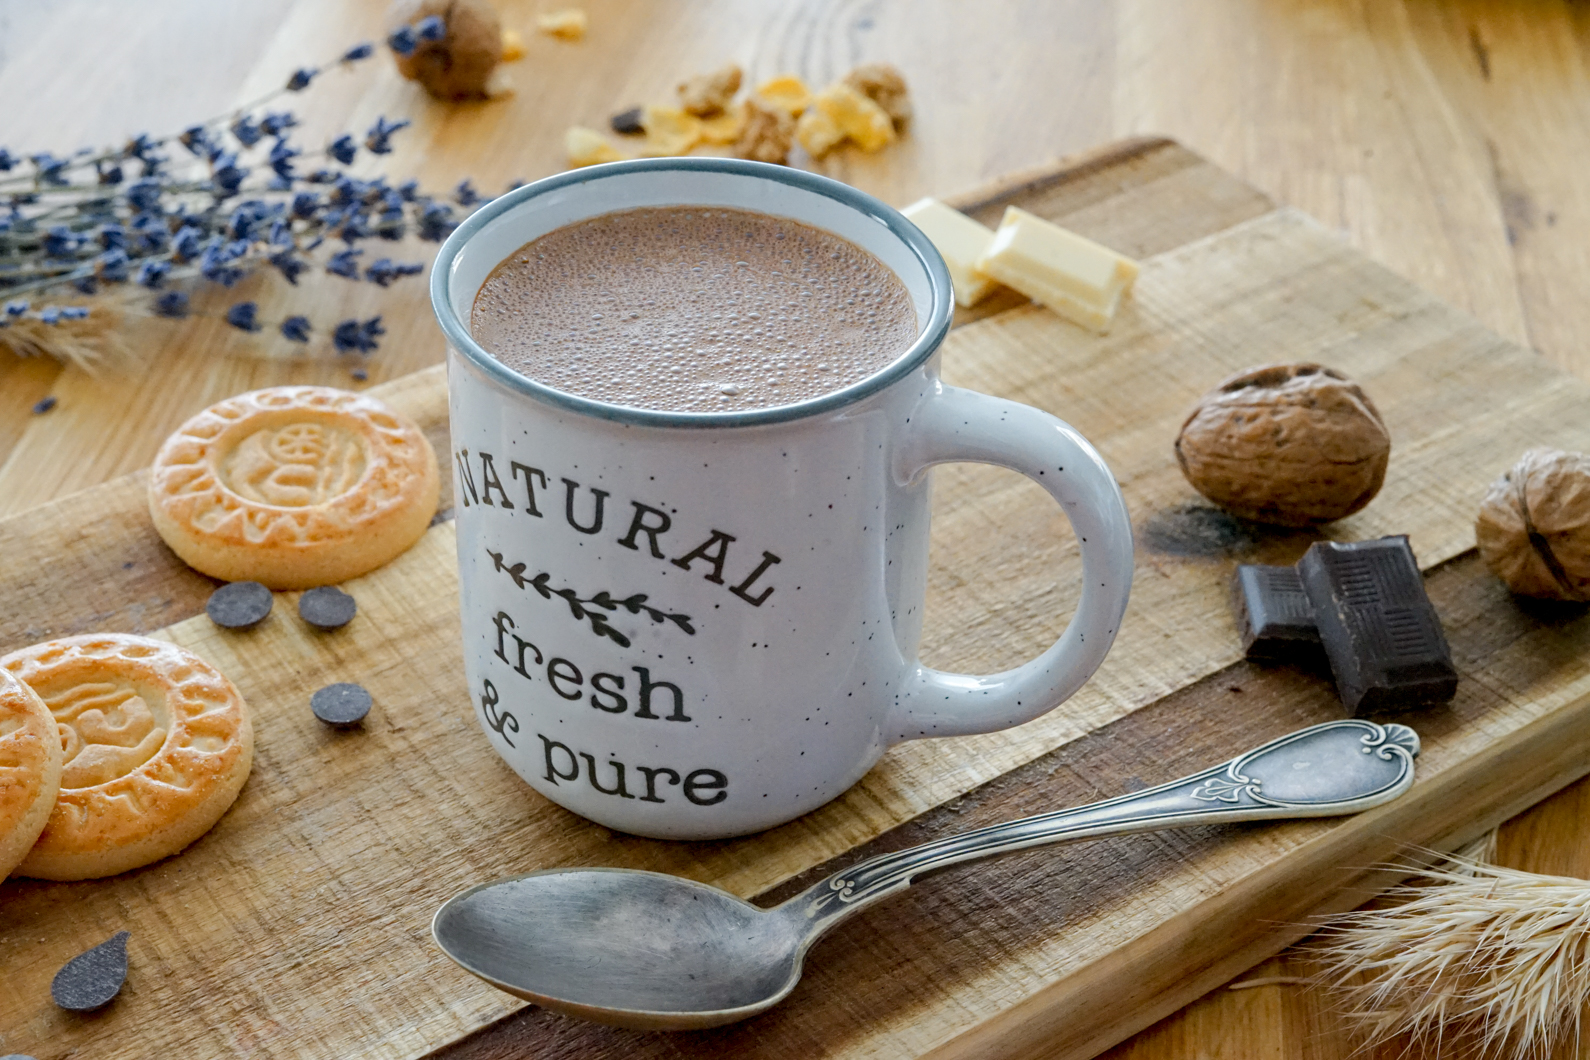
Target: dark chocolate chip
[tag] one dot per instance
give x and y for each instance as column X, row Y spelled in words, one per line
column 627, row 122
column 40, row 408
column 341, row 705
column 239, row 605
column 92, row 978
column 1274, row 613
column 1380, row 631
column 327, row 607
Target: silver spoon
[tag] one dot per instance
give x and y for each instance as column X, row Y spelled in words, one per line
column 656, row 952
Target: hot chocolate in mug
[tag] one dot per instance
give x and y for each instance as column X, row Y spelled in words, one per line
column 698, row 625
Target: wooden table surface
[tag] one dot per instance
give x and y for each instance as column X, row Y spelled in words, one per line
column 1444, row 139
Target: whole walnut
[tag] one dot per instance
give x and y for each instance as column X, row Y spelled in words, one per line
column 1292, row 444
column 1534, row 525
column 459, row 65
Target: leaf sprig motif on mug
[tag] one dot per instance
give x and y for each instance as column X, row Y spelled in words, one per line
column 586, row 609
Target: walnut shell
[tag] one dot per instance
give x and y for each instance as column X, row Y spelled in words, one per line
column 459, row 65
column 1534, row 525
column 1292, row 444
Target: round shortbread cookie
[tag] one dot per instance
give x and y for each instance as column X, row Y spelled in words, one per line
column 294, row 486
column 30, row 769
column 156, row 745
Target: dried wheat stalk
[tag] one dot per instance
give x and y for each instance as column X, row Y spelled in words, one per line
column 1492, row 958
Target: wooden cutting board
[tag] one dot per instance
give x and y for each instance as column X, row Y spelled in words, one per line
column 299, row 926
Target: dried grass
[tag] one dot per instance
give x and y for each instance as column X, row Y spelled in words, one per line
column 1493, row 960
column 93, row 344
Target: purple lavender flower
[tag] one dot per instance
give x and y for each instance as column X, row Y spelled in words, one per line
column 173, row 304
column 343, row 148
column 431, row 28
column 465, row 194
column 143, row 195
column 281, row 159
column 141, row 147
column 301, row 78
column 289, row 266
column 377, row 140
column 196, row 138
column 108, row 174
column 8, row 161
column 247, row 130
column 306, row 204
column 383, row 271
column 86, row 282
column 245, row 220
column 188, row 244
column 390, row 224
column 436, row 222
column 44, row 405
column 51, row 315
column 113, row 266
column 244, row 316
column 345, row 190
column 74, row 312
column 353, row 337
column 403, row 40
column 296, row 329
column 112, row 237
column 409, row 190
column 17, row 308
column 153, row 235
column 227, row 175
column 277, row 122
column 281, row 233
column 60, row 242
column 342, row 263
column 52, row 170
column 152, row 273
column 215, row 264
column 359, row 51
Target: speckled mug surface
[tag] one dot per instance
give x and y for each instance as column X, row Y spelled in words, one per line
column 698, row 625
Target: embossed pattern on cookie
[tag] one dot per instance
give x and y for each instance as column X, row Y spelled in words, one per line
column 30, row 769
column 156, row 745
column 293, row 486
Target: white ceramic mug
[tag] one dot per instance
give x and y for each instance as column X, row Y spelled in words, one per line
column 697, row 625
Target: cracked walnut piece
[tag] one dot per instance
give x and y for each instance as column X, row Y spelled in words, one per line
column 884, row 85
column 767, row 134
column 708, row 95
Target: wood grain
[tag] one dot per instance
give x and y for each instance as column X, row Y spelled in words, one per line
column 393, row 842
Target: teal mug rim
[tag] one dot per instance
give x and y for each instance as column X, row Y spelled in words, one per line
column 940, row 310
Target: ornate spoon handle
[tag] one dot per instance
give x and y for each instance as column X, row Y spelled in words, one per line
column 1339, row 767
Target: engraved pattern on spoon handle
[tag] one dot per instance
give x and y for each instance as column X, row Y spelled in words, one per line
column 1336, row 768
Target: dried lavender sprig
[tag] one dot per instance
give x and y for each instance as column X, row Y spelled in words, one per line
column 142, row 147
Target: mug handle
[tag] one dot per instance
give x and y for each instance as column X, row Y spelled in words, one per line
column 951, row 425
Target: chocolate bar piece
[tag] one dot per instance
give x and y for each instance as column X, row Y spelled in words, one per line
column 1272, row 608
column 1380, row 632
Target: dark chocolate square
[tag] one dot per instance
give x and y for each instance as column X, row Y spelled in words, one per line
column 1273, row 611
column 1381, row 633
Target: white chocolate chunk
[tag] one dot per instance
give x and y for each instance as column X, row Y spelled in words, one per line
column 961, row 241
column 1074, row 276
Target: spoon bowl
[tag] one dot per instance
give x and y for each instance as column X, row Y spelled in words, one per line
column 655, row 952
column 620, row 946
